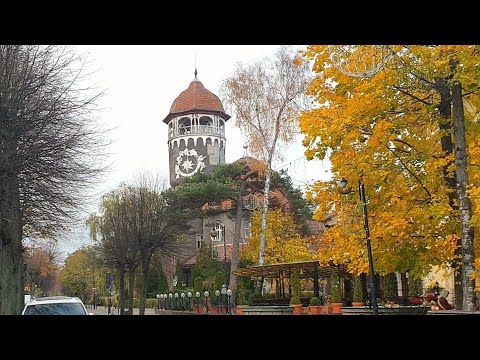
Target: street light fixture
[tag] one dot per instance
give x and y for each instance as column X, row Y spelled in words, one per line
column 158, row 301
column 217, row 296
column 343, row 189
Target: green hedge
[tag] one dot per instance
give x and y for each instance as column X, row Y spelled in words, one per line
column 295, row 287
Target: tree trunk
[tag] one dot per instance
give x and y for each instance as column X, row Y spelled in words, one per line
column 445, row 124
column 468, row 254
column 236, row 242
column 261, row 258
column 131, row 282
column 121, row 295
column 11, row 251
column 143, row 287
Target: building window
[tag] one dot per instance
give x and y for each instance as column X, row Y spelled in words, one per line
column 215, row 254
column 218, row 232
column 199, row 241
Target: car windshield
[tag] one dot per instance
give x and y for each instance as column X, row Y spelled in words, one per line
column 56, row 309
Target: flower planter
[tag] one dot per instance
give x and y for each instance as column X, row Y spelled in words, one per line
column 315, row 310
column 214, row 310
column 358, row 303
column 326, row 309
column 336, row 308
column 297, row 309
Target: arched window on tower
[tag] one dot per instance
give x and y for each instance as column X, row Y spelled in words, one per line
column 222, row 127
column 206, row 124
column 184, row 125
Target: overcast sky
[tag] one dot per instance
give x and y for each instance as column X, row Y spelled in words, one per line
column 141, row 83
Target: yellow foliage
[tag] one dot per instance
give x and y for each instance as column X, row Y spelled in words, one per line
column 283, row 240
column 477, row 274
column 386, row 129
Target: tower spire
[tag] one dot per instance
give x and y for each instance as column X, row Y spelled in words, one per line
column 195, row 72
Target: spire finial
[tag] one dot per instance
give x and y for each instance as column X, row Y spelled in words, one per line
column 195, row 72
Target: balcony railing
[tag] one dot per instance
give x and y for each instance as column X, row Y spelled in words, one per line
column 196, row 130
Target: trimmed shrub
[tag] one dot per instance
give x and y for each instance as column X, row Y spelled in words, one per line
column 314, row 301
column 415, row 287
column 295, row 286
column 335, row 294
column 218, row 281
column 358, row 293
column 390, row 290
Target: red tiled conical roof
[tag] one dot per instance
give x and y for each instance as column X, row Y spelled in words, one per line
column 196, row 97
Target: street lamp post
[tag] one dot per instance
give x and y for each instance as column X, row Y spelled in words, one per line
column 206, row 299
column 224, row 296
column 158, row 301
column 217, row 295
column 197, row 301
column 182, row 297
column 170, row 301
column 229, row 301
column 189, row 295
column 94, row 290
column 342, row 188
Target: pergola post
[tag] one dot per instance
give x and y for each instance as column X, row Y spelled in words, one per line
column 316, row 285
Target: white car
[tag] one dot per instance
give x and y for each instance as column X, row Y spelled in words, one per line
column 55, row 305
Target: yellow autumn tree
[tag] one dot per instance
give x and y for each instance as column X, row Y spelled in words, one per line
column 283, row 240
column 393, row 128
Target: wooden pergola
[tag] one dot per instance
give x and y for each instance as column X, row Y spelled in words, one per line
column 305, row 270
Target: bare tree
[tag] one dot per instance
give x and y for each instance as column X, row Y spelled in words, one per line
column 137, row 221
column 266, row 97
column 50, row 152
column 156, row 223
column 111, row 228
